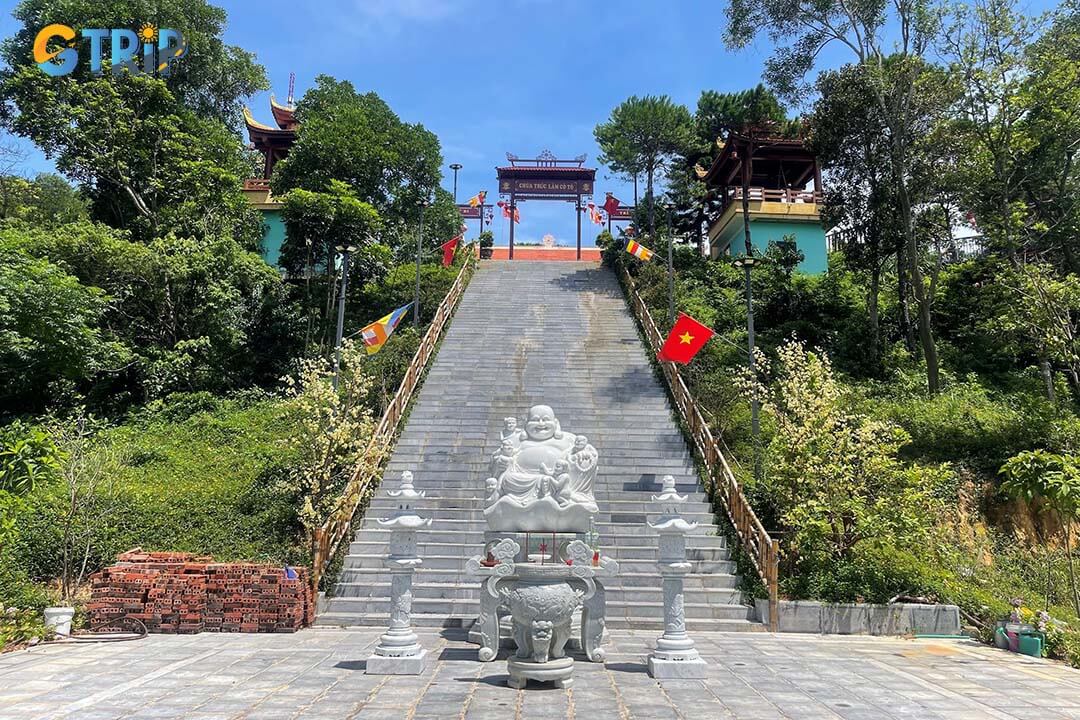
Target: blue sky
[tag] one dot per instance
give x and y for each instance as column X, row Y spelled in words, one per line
column 488, row 78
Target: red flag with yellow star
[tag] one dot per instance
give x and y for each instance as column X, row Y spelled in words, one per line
column 685, row 340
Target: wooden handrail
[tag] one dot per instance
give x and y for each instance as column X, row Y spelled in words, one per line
column 365, row 476
column 763, row 550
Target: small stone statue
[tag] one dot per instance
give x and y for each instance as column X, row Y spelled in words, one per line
column 510, row 429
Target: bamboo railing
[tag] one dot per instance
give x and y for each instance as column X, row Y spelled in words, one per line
column 365, row 477
column 763, row 550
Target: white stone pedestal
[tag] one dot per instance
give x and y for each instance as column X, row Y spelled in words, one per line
column 403, row 665
column 674, row 656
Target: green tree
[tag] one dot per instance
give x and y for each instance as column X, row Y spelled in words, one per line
column 847, row 134
column 389, row 164
column 1017, row 125
column 1045, row 312
column 985, row 43
column 644, row 135
column 152, row 154
column 1052, row 94
column 332, row 428
column 50, row 330
column 46, row 200
column 85, row 494
column 316, row 224
column 28, row 458
column 183, row 313
column 909, row 94
column 148, row 164
column 717, row 113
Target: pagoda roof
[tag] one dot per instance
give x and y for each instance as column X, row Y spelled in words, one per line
column 284, row 115
column 261, row 134
column 774, row 157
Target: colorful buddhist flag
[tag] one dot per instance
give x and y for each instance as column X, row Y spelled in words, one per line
column 376, row 334
column 478, row 199
column 685, row 340
column 506, row 211
column 639, row 251
column 611, row 204
column 448, row 249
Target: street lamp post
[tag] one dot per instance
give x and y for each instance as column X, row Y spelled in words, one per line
column 345, row 251
column 455, row 167
column 670, row 269
column 423, row 203
column 746, row 263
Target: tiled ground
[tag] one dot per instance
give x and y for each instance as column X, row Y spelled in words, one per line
column 320, row 674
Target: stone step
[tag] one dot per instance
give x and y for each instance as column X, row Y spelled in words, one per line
column 455, row 590
column 373, row 558
column 607, row 524
column 748, row 624
column 429, row 620
column 474, row 481
column 470, row 607
column 620, row 502
column 460, row 508
column 718, row 561
column 625, row 579
column 376, row 542
column 577, row 349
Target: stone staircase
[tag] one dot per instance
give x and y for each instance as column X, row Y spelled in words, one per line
column 558, row 334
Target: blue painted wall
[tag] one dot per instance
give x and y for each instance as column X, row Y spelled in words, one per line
column 809, row 237
column 273, row 236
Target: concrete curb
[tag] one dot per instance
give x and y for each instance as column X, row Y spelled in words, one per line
column 806, row 616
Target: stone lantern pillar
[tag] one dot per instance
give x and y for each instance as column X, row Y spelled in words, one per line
column 674, row 656
column 398, row 652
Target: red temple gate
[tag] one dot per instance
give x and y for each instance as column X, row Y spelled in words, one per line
column 545, row 178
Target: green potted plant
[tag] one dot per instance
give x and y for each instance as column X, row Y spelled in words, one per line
column 487, row 245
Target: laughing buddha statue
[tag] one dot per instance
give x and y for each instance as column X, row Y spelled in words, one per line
column 542, row 477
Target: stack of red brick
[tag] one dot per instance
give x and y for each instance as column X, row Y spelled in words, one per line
column 185, row 593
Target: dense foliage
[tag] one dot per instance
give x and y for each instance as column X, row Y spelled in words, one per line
column 143, row 340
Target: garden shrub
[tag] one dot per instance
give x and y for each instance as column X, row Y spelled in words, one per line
column 968, row 422
column 834, row 477
column 200, row 484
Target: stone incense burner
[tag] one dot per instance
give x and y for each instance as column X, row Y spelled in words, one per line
column 541, row 482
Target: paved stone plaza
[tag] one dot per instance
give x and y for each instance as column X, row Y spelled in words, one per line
column 320, row 674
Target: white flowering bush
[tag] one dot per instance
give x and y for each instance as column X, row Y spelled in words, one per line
column 333, row 428
column 833, row 476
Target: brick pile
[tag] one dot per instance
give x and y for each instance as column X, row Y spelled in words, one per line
column 185, row 593
column 257, row 598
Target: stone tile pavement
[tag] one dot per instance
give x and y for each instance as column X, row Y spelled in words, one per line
column 320, row 674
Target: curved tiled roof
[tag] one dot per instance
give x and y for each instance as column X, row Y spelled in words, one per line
column 284, row 115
